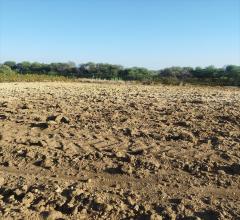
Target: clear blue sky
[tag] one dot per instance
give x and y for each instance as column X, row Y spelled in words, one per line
column 148, row 33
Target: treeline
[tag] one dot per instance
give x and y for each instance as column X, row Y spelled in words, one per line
column 228, row 75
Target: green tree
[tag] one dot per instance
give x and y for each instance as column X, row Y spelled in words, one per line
column 135, row 73
column 11, row 64
column 36, row 68
column 233, row 71
column 23, row 67
column 5, row 69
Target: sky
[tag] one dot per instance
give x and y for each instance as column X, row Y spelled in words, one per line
column 146, row 33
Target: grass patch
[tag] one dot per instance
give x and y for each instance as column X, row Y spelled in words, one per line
column 14, row 77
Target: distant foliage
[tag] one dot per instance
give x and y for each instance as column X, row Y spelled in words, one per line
column 4, row 69
column 229, row 75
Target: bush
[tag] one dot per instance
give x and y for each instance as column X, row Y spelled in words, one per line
column 4, row 69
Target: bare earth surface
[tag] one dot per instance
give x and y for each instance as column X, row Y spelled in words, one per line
column 105, row 151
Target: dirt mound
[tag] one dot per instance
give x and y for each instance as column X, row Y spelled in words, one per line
column 105, row 151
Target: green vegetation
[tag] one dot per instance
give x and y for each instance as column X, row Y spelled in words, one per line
column 8, row 75
column 12, row 71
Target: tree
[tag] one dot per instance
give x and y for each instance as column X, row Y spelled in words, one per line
column 107, row 71
column 87, row 70
column 5, row 69
column 186, row 72
column 210, row 72
column 23, row 67
column 135, row 73
column 11, row 64
column 36, row 68
column 61, row 68
column 171, row 72
column 233, row 71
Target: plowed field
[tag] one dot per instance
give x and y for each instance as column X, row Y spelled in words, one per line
column 109, row 151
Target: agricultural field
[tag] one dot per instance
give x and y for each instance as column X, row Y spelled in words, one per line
column 119, row 151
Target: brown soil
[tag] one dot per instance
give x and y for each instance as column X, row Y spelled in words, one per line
column 105, row 151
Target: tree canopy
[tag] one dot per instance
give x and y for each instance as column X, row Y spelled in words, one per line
column 229, row 74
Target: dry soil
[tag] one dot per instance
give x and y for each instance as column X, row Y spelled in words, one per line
column 109, row 151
